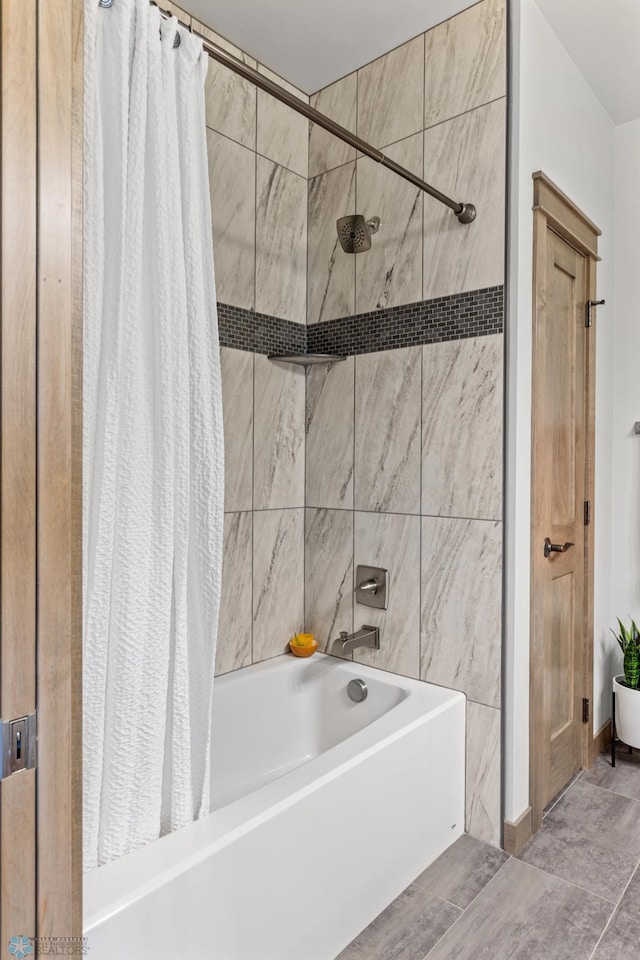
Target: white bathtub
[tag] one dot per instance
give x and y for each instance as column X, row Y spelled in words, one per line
column 326, row 810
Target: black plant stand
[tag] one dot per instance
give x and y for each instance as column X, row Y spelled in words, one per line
column 613, row 730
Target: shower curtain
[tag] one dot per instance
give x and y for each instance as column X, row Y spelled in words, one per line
column 153, row 447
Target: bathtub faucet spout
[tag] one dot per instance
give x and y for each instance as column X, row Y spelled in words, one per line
column 366, row 637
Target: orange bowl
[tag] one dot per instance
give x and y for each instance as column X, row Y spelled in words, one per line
column 298, row 651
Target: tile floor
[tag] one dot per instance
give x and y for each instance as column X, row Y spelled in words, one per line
column 572, row 894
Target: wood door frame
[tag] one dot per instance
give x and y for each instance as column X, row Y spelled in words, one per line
column 59, row 476
column 41, row 489
column 552, row 209
column 18, row 304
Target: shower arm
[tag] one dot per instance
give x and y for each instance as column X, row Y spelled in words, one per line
column 465, row 212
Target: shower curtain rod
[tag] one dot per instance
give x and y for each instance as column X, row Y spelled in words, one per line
column 465, row 212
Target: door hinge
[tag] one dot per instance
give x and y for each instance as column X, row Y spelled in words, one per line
column 585, row 710
column 18, row 745
column 590, row 305
column 587, row 512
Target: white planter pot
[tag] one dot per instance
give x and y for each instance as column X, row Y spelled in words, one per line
column 627, row 713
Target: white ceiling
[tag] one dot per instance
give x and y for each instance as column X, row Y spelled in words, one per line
column 311, row 43
column 314, row 43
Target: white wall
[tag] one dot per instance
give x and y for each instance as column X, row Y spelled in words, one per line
column 626, row 386
column 558, row 127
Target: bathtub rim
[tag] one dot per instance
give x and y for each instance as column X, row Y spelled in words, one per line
column 120, row 883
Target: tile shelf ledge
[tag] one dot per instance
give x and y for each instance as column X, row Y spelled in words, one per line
column 306, row 359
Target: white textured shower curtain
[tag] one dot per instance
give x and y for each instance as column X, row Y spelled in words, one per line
column 153, row 446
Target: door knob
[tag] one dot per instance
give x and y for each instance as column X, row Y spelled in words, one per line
column 550, row 548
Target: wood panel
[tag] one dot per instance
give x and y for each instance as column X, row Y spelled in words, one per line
column 18, row 449
column 538, row 746
column 59, row 459
column 591, row 745
column 558, row 487
column 562, row 214
column 18, row 445
column 518, row 832
column 559, row 387
column 561, row 654
column 565, row 249
column 77, row 184
column 601, row 741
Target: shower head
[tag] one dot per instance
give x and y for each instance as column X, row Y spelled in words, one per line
column 354, row 233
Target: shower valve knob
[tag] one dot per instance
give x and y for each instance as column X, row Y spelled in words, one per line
column 369, row 586
column 372, row 586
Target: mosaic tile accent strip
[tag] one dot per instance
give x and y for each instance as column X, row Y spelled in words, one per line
column 258, row 332
column 477, row 313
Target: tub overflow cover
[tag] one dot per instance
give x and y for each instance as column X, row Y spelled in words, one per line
column 357, row 690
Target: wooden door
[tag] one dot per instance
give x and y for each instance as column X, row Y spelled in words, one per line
column 560, row 411
column 40, row 447
column 564, row 274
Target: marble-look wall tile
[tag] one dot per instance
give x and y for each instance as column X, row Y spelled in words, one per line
column 339, row 102
column 230, row 101
column 232, row 185
column 391, row 541
column 237, row 405
column 281, row 242
column 331, row 273
column 465, row 158
column 328, row 575
column 283, row 134
column 465, row 61
column 387, row 431
column 278, row 580
column 279, row 426
column 390, row 95
column 235, row 621
column 329, row 435
column 462, row 428
column 461, row 606
column 483, row 773
column 390, row 273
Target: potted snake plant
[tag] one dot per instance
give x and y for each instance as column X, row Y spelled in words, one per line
column 627, row 686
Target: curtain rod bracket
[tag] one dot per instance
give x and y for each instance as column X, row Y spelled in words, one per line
column 466, row 213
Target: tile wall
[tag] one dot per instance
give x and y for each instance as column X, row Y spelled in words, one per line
column 258, row 172
column 392, row 457
column 437, row 106
column 404, row 446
